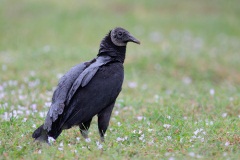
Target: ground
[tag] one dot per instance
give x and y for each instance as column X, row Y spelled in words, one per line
column 181, row 93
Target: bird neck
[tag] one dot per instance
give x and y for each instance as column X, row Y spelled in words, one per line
column 107, row 48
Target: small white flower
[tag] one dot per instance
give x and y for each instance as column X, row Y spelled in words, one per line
column 198, row 131
column 198, row 156
column 39, row 151
column 132, row 84
column 168, row 138
column 167, row 126
column 99, row 145
column 119, row 124
column 171, row 158
column 87, row 140
column 134, row 131
column 212, row 92
column 150, row 130
column 51, row 140
column 78, row 138
column 224, row 115
column 225, row 154
column 168, row 117
column 60, row 149
column 116, row 113
column 24, row 120
column 238, row 116
column 181, row 140
column 34, row 126
column 185, row 118
column 192, row 154
column 141, row 118
column 61, row 144
column 151, row 142
column 187, row 80
column 139, row 132
column 227, row 143
column 141, row 137
column 120, row 139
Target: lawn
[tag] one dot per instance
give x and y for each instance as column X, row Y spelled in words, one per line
column 181, row 92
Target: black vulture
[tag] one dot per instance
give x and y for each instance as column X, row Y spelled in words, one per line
column 88, row 89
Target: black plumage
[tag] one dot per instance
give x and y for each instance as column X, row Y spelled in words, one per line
column 88, row 89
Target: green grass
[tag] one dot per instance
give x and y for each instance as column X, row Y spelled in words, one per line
column 188, row 49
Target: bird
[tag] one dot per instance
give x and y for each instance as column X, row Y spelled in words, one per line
column 88, row 89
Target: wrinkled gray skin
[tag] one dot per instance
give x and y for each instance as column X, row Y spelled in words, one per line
column 88, row 89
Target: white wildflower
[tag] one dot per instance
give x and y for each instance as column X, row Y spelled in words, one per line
column 150, row 130
column 167, row 126
column 24, row 120
column 168, row 117
column 87, row 140
column 168, row 138
column 151, row 142
column 212, row 92
column 120, row 139
column 141, row 137
column 181, row 140
column 51, row 140
column 224, row 115
column 132, row 84
column 78, row 138
column 119, row 124
column 227, row 143
column 187, row 80
column 34, row 126
column 61, row 144
column 99, row 145
column 39, row 151
column 192, row 154
column 198, row 131
column 116, row 113
column 140, row 118
column 60, row 148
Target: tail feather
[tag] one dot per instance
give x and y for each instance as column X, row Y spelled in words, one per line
column 40, row 134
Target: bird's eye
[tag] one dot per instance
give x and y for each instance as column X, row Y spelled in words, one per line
column 120, row 34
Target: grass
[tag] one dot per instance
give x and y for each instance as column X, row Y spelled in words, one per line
column 180, row 97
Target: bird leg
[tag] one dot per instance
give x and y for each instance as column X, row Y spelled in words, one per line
column 84, row 128
column 103, row 120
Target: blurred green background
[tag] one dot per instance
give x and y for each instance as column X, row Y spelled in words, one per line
column 186, row 66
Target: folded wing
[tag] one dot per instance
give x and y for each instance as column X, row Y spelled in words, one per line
column 79, row 75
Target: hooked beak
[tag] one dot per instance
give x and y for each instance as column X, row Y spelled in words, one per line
column 133, row 39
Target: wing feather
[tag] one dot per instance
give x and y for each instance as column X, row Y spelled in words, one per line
column 77, row 76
